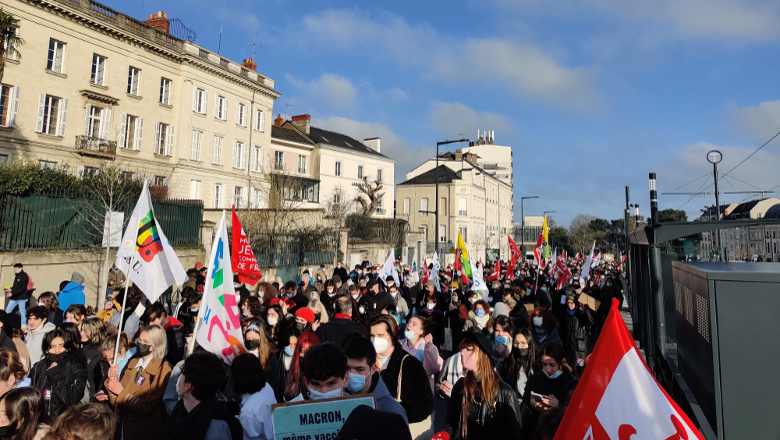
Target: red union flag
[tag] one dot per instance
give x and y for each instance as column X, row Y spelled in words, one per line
column 496, row 274
column 244, row 261
column 618, row 398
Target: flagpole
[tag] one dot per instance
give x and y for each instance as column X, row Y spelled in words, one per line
column 122, row 311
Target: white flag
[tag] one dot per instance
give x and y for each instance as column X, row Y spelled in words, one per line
column 477, row 278
column 586, row 266
column 435, row 271
column 219, row 330
column 145, row 255
column 389, row 269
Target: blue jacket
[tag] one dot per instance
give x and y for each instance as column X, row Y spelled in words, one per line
column 73, row 293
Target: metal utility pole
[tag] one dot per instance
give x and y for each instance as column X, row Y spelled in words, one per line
column 656, row 276
column 626, row 215
column 714, row 157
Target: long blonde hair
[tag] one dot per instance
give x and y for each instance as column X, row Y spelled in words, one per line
column 485, row 387
column 159, row 341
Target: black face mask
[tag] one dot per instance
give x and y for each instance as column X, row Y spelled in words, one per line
column 520, row 353
column 8, row 431
column 252, row 344
column 300, row 326
column 143, row 349
column 56, row 358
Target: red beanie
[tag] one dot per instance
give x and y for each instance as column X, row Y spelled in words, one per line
column 274, row 302
column 305, row 313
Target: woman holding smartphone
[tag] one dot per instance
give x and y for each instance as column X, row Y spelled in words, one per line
column 548, row 388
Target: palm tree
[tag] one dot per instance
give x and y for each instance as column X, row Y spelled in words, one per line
column 9, row 41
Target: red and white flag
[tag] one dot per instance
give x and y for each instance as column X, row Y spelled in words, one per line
column 516, row 256
column 577, row 256
column 538, row 250
column 244, row 261
column 496, row 273
column 564, row 274
column 618, row 398
column 425, row 276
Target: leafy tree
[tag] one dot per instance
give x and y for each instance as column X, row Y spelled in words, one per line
column 599, row 225
column 672, row 216
column 559, row 237
column 9, row 41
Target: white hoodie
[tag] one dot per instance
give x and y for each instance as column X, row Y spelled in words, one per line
column 34, row 342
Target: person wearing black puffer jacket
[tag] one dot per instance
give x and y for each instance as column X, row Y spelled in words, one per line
column 60, row 373
column 573, row 331
column 554, row 383
column 93, row 331
column 482, row 406
column 396, row 365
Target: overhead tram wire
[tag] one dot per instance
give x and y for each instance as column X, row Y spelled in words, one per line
column 753, row 153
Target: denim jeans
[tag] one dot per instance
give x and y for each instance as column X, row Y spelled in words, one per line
column 22, row 303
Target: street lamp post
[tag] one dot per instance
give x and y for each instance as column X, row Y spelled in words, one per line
column 714, row 157
column 522, row 218
column 436, row 210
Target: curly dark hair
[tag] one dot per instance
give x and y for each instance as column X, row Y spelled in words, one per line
column 206, row 373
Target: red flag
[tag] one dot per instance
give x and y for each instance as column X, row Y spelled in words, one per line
column 516, row 256
column 564, row 274
column 424, row 273
column 244, row 261
column 577, row 256
column 496, row 273
column 538, row 251
column 618, row 398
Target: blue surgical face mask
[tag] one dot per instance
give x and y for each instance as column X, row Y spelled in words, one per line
column 555, row 375
column 289, row 295
column 409, row 335
column 543, row 289
column 473, row 300
column 288, row 351
column 500, row 340
column 316, row 395
column 480, row 312
column 356, row 383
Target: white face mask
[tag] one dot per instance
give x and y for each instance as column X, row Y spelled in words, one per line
column 380, row 344
column 355, row 296
column 272, row 320
column 538, row 321
column 431, row 305
column 394, row 294
column 362, row 309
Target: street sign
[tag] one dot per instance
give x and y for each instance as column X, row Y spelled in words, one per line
column 315, row 419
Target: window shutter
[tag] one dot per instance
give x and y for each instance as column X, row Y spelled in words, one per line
column 205, row 105
column 41, row 106
column 123, row 131
column 217, row 159
column 80, row 172
column 216, row 107
column 105, row 123
column 86, row 122
column 157, row 145
column 63, row 117
column 262, row 121
column 242, row 158
column 238, row 113
column 194, row 98
column 139, row 132
column 255, row 119
column 235, row 155
column 14, row 107
column 169, row 142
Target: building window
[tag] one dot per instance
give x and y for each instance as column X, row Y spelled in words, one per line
column 47, row 164
column 239, row 196
column 195, row 152
column 133, row 81
column 379, row 175
column 88, row 172
column 338, row 169
column 279, row 160
column 407, row 206
column 424, row 206
column 10, row 51
column 257, row 159
column 360, row 171
column 9, row 105
column 463, row 230
column 94, row 120
column 259, row 120
column 217, row 195
column 194, row 189
column 199, row 99
column 337, row 198
column 462, row 210
column 52, row 115
column 165, row 91
column 217, row 150
column 239, row 155
column 98, row 76
column 301, row 164
column 442, row 233
column 56, row 56
column 220, row 108
column 163, row 140
column 131, row 132
column 241, row 115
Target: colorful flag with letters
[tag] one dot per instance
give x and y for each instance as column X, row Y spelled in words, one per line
column 244, row 261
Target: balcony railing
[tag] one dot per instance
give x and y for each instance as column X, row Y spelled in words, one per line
column 92, row 146
column 463, row 213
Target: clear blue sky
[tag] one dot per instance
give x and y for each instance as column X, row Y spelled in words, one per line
column 591, row 94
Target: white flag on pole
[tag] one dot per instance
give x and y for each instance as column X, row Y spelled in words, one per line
column 586, row 266
column 389, row 269
column 435, row 271
column 219, row 330
column 145, row 255
column 478, row 278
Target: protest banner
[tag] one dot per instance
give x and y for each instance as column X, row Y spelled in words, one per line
column 315, row 419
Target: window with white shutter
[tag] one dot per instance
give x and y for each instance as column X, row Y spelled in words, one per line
column 241, row 115
column 169, row 142
column 462, row 210
column 163, row 139
column 217, row 195
column 259, row 120
column 63, row 117
column 194, row 189
column 257, row 159
column 56, row 57
column 199, row 101
column 217, row 160
column 133, row 81
column 139, row 132
column 105, row 123
column 49, row 115
column 165, row 91
column 98, row 76
column 239, row 155
column 424, row 206
column 407, row 206
column 9, row 99
column 195, row 152
column 220, row 108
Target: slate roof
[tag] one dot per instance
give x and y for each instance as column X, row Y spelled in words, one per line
column 446, row 175
column 289, row 135
column 321, row 136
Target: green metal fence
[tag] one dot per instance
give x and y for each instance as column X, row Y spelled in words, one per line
column 299, row 248
column 67, row 221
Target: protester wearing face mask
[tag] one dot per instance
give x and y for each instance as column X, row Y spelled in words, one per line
column 573, row 331
column 199, row 412
column 251, row 307
column 257, row 396
column 544, row 327
column 272, row 317
column 126, row 352
column 553, row 382
column 304, row 318
column 432, row 311
column 364, row 375
column 501, row 338
column 404, row 375
column 543, row 295
column 522, row 364
column 482, row 405
column 324, row 372
column 400, row 303
column 418, row 342
column 60, row 372
column 479, row 317
column 293, row 383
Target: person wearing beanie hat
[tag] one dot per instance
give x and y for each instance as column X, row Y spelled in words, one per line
column 304, row 318
column 498, row 415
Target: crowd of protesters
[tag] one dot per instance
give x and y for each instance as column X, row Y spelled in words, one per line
column 441, row 359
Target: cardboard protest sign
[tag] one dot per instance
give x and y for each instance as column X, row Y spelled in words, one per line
column 592, row 302
column 315, row 419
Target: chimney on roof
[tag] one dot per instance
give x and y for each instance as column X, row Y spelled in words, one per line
column 279, row 121
column 159, row 21
column 458, row 155
column 472, row 158
column 249, row 63
column 372, row 143
column 303, row 122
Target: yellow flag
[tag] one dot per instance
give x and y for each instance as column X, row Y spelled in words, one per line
column 464, row 255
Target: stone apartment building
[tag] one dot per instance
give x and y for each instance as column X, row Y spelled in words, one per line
column 96, row 87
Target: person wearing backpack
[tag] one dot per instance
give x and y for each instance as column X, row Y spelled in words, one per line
column 19, row 293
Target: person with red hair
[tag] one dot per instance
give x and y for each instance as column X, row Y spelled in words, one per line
column 293, row 385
